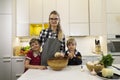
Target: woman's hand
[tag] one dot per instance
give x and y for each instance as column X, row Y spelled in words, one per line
column 59, row 54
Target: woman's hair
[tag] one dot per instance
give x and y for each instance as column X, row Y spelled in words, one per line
column 33, row 40
column 59, row 29
column 71, row 41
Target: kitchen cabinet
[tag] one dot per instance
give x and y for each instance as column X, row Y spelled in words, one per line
column 97, row 17
column 63, row 10
column 113, row 24
column 48, row 6
column 40, row 10
column 22, row 18
column 6, row 46
column 98, row 29
column 5, row 6
column 79, row 19
column 112, row 6
column 6, row 35
column 77, row 29
column 5, row 39
column 5, row 68
column 113, row 17
column 36, row 11
column 78, row 11
column 89, row 18
column 97, row 10
column 17, row 67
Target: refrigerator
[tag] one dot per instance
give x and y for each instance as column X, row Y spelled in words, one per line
column 5, row 39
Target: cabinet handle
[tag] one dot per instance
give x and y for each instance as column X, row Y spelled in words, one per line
column 18, row 75
column 6, row 57
column 19, row 60
column 6, row 60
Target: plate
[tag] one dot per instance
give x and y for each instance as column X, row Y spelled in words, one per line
column 115, row 76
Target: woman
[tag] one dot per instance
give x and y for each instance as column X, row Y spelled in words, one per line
column 52, row 39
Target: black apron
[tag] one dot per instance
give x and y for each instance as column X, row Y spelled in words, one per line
column 50, row 47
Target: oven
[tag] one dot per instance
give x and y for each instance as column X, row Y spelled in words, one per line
column 113, row 45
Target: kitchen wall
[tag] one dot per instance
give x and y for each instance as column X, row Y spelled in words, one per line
column 86, row 44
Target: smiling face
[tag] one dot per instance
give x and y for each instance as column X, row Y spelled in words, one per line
column 54, row 20
column 35, row 46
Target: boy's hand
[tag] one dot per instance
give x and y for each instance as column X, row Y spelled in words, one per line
column 71, row 55
column 42, row 67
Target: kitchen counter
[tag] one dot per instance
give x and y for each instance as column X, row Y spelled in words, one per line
column 68, row 73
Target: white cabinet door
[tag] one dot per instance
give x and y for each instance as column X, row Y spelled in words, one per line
column 17, row 68
column 78, row 11
column 40, row 10
column 5, row 6
column 98, row 29
column 97, row 10
column 79, row 30
column 36, row 10
column 79, row 18
column 5, row 69
column 22, row 17
column 22, row 29
column 113, row 23
column 113, row 6
column 5, row 35
column 48, row 6
column 63, row 10
column 97, row 17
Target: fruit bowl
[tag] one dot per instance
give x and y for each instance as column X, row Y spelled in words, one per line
column 57, row 63
column 97, row 67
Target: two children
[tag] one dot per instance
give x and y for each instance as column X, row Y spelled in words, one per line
column 33, row 57
column 75, row 57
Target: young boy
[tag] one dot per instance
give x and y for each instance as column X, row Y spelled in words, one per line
column 33, row 57
column 74, row 56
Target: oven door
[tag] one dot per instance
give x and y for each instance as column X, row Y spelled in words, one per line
column 114, row 47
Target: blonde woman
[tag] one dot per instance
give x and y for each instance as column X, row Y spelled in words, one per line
column 52, row 39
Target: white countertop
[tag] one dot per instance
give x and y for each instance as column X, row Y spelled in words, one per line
column 68, row 73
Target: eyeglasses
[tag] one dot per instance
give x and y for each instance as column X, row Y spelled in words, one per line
column 54, row 19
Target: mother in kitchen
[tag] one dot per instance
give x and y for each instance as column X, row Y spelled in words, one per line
column 52, row 39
